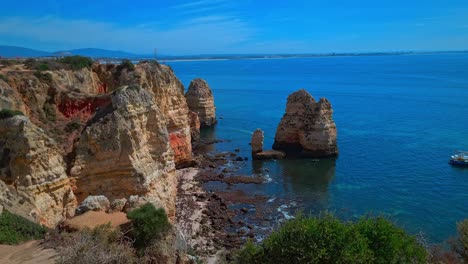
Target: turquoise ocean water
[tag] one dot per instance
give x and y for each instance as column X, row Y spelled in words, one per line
column 399, row 119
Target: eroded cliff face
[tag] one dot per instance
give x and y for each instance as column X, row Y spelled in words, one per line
column 124, row 150
column 33, row 181
column 307, row 128
column 168, row 93
column 115, row 131
column 201, row 101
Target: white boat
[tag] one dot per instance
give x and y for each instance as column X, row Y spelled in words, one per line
column 460, row 158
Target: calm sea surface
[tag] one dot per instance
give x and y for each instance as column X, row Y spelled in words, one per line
column 399, row 119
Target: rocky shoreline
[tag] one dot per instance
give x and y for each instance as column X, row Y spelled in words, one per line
column 218, row 221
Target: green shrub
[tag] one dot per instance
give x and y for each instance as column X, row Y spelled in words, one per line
column 326, row 239
column 6, row 62
column 43, row 67
column 148, row 223
column 126, row 64
column 49, row 111
column 460, row 244
column 7, row 113
column 45, row 77
column 101, row 245
column 77, row 62
column 72, row 126
column 3, row 77
column 15, row 229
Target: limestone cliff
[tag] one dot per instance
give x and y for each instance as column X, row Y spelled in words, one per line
column 33, row 181
column 168, row 93
column 125, row 150
column 307, row 128
column 201, row 101
column 194, row 126
column 117, row 130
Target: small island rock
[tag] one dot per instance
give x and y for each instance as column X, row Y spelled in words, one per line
column 307, row 128
column 201, row 101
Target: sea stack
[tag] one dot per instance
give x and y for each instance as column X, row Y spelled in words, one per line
column 257, row 148
column 307, row 128
column 257, row 141
column 201, row 101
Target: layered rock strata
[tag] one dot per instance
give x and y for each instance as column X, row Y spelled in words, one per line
column 33, row 181
column 307, row 128
column 125, row 150
column 117, row 131
column 201, row 101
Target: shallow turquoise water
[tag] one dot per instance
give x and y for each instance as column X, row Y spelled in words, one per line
column 399, row 118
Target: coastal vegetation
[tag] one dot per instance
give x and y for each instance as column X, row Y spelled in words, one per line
column 326, row 239
column 142, row 241
column 3, row 77
column 68, row 63
column 72, row 126
column 126, row 64
column 77, row 62
column 15, row 229
column 102, row 244
column 148, row 224
column 7, row 113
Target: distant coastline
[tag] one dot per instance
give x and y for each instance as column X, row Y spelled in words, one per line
column 13, row 52
column 288, row 56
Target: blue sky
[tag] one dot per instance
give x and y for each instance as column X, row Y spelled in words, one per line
column 242, row 26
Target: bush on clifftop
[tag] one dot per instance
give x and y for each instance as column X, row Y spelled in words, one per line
column 326, row 239
column 77, row 62
column 7, row 113
column 15, row 229
column 148, row 224
column 126, row 64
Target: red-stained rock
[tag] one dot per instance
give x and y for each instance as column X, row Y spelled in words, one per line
column 82, row 108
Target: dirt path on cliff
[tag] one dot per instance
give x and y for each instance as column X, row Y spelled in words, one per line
column 28, row 253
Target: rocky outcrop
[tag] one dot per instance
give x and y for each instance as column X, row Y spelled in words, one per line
column 307, row 128
column 168, row 94
column 201, row 101
column 194, row 126
column 125, row 151
column 33, row 181
column 257, row 141
column 257, row 148
column 81, row 81
column 121, row 131
column 94, row 203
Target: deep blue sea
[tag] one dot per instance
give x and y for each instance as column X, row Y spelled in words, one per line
column 399, row 118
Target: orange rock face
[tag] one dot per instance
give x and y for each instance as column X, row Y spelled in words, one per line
column 307, row 128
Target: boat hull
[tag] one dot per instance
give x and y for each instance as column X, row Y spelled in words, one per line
column 458, row 163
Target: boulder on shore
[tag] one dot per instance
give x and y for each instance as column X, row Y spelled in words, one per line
column 307, row 128
column 201, row 101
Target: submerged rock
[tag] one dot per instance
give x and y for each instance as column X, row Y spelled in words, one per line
column 201, row 101
column 307, row 128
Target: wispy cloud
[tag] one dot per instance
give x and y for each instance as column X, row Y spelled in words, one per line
column 196, row 4
column 196, row 35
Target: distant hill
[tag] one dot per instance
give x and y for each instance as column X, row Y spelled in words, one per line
column 102, row 53
column 13, row 52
